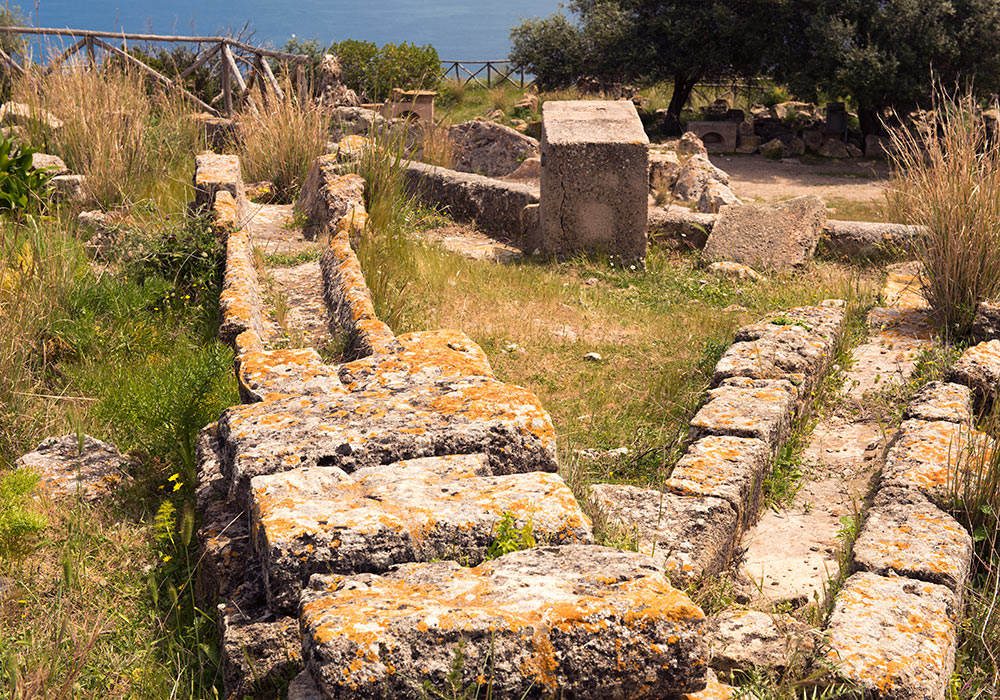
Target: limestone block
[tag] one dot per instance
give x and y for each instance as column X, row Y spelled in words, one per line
column 768, row 236
column 295, row 372
column 745, row 407
column 979, row 369
column 867, row 238
column 70, row 467
column 742, row 639
column 664, row 167
column 748, row 143
column 364, row 429
column 53, row 165
column 215, row 172
column 240, row 305
column 718, row 136
column 421, row 358
column 824, row 320
column 594, row 179
column 927, row 456
column 689, row 144
column 589, row 621
column 905, row 535
column 941, row 401
column 986, row 323
column 17, row 113
column 328, row 195
column 833, row 148
column 687, row 536
column 894, row 637
column 694, row 176
column 715, row 196
column 69, row 187
column 322, row 520
column 721, row 466
column 489, row 149
column 259, row 654
column 773, row 149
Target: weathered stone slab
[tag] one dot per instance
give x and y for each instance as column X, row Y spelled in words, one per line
column 18, row 113
column 72, row 466
column 52, row 165
column 322, row 520
column 745, row 407
column 589, row 621
column 744, row 639
column 979, row 369
column 905, row 535
column 490, row 149
column 594, row 179
column 213, row 173
column 941, row 401
column 789, row 351
column 894, row 637
column 825, row 320
column 768, row 236
column 726, row 467
column 240, row 305
column 928, row 457
column 419, row 358
column 71, row 188
column 369, row 428
column 295, row 372
column 866, row 239
column 259, row 655
column 687, row 536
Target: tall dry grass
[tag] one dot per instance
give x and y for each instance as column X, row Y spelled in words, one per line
column 946, row 177
column 118, row 131
column 280, row 141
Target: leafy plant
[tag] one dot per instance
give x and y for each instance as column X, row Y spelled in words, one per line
column 374, row 71
column 508, row 537
column 18, row 524
column 22, row 188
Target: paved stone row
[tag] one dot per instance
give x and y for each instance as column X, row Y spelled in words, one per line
column 762, row 382
column 331, row 497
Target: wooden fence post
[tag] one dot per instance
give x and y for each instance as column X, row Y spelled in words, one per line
column 227, row 85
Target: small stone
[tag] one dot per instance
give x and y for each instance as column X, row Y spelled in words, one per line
column 512, row 349
column 734, row 270
column 78, row 466
column 52, row 165
column 742, row 639
column 70, row 188
column 590, row 281
column 853, row 151
column 593, row 357
column 894, row 637
column 736, row 309
column 773, row 149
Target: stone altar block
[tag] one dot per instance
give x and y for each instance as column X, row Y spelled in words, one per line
column 594, row 185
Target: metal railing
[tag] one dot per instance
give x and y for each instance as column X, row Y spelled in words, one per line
column 240, row 65
column 496, row 73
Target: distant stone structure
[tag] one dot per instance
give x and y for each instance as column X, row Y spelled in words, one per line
column 416, row 104
column 718, row 136
column 594, row 185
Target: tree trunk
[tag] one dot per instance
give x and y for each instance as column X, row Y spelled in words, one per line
column 683, row 85
column 869, row 120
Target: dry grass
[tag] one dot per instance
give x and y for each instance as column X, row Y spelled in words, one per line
column 116, row 132
column 437, row 147
column 279, row 143
column 947, row 178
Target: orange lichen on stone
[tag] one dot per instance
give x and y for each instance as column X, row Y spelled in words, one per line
column 225, row 213
column 714, row 691
column 270, row 374
column 240, row 301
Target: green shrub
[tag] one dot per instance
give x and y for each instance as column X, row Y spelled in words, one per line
column 21, row 187
column 374, row 72
column 554, row 49
column 18, row 524
column 508, row 537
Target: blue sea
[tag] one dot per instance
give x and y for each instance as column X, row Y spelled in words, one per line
column 459, row 29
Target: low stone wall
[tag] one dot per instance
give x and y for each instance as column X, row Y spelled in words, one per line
column 494, row 206
column 761, row 384
column 339, row 502
column 852, row 239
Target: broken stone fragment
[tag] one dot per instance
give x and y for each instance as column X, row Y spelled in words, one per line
column 979, row 369
column 327, row 195
column 905, row 535
column 768, row 236
column 489, row 149
column 687, row 536
column 52, row 165
column 218, row 173
column 733, row 271
column 715, row 196
column 726, row 467
column 322, row 520
column 71, row 188
column 941, row 401
column 74, row 465
column 589, row 621
column 259, row 655
column 894, row 637
column 744, row 639
column 17, row 113
column 745, row 407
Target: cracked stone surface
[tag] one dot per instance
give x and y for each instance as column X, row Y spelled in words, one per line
column 894, row 637
column 274, row 374
column 322, row 520
column 745, row 407
column 687, row 536
column 597, row 622
column 905, row 535
column 979, row 369
column 741, row 639
column 941, row 401
column 71, row 467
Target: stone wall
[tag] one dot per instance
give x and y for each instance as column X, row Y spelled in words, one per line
column 349, row 511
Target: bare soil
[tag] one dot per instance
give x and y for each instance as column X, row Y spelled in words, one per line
column 761, row 179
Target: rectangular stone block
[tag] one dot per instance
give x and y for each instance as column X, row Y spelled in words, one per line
column 894, row 637
column 744, row 407
column 726, row 467
column 594, row 185
column 322, row 520
column 979, row 369
column 687, row 536
column 941, row 401
column 906, row 535
column 578, row 621
column 213, row 173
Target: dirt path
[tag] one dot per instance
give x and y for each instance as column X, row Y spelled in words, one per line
column 758, row 178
